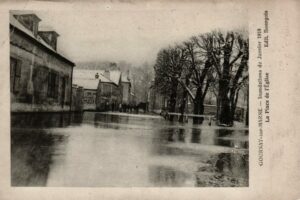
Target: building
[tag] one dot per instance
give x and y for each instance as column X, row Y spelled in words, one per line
column 77, row 98
column 103, row 89
column 89, row 86
column 127, row 89
column 40, row 76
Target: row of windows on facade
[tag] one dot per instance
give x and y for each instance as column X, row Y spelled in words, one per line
column 53, row 79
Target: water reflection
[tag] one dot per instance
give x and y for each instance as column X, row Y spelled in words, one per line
column 218, row 137
column 196, row 133
column 45, row 120
column 31, row 158
column 112, row 150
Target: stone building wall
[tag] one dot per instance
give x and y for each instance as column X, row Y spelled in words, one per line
column 108, row 97
column 35, row 64
column 77, row 99
column 125, row 92
column 89, row 99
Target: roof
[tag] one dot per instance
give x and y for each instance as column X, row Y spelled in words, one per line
column 91, row 84
column 16, row 24
column 90, row 75
column 115, row 76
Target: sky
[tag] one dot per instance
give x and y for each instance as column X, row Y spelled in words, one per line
column 135, row 32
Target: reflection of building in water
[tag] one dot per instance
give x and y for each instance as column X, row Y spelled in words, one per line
column 40, row 76
column 31, row 157
column 45, row 120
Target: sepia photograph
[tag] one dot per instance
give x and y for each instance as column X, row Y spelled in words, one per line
column 130, row 97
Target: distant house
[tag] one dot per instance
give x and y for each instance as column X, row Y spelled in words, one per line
column 127, row 91
column 90, row 85
column 77, row 98
column 40, row 76
column 103, row 89
column 157, row 101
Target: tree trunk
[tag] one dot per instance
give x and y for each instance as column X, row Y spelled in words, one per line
column 198, row 107
column 184, row 98
column 225, row 110
column 172, row 102
column 233, row 102
column 182, row 106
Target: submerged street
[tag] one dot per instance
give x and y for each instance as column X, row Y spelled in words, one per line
column 123, row 150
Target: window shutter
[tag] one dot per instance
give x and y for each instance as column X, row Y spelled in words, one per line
column 12, row 73
column 17, row 77
column 49, row 84
column 56, row 85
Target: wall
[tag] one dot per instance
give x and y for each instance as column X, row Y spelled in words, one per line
column 89, row 99
column 36, row 63
column 125, row 92
column 109, row 96
column 77, row 99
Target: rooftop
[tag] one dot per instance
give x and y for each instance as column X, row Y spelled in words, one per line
column 90, row 84
column 90, row 74
column 16, row 24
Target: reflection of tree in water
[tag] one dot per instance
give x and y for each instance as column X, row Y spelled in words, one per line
column 181, row 135
column 31, row 157
column 231, row 143
column 172, row 135
column 235, row 143
column 167, row 136
column 223, row 132
column 106, row 121
column 196, row 135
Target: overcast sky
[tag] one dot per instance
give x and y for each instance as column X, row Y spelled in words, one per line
column 136, row 33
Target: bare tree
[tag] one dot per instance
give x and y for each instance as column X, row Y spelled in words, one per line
column 187, row 66
column 199, row 66
column 214, row 61
column 168, row 69
column 229, row 55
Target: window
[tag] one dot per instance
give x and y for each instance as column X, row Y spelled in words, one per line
column 15, row 75
column 53, row 83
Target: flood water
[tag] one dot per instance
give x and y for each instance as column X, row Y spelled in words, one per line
column 110, row 150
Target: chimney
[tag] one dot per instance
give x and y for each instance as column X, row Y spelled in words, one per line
column 50, row 37
column 107, row 73
column 29, row 21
